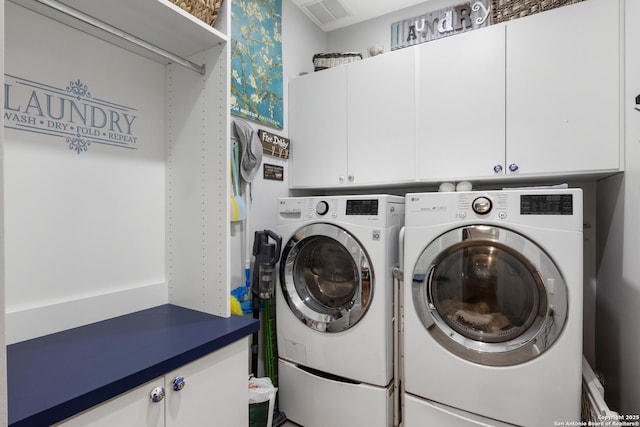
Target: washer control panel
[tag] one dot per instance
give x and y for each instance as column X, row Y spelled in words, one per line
column 482, row 205
column 554, row 208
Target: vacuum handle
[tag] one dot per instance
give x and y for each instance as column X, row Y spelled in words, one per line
column 278, row 239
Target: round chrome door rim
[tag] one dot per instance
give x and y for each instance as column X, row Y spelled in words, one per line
column 332, row 320
column 543, row 329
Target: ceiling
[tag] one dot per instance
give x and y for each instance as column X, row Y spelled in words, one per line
column 333, row 14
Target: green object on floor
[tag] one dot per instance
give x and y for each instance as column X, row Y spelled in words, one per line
column 259, row 414
column 270, row 345
column 271, row 354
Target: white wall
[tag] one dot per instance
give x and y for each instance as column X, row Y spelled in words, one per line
column 618, row 309
column 55, row 198
column 301, row 39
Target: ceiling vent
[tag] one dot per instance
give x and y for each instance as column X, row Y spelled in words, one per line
column 324, row 12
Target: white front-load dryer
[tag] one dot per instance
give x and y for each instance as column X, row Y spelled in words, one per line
column 493, row 307
column 335, row 308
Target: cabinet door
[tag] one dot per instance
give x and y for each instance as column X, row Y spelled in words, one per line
column 318, row 128
column 461, row 111
column 215, row 392
column 563, row 79
column 381, row 119
column 131, row 409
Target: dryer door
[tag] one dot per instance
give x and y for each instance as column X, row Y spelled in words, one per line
column 326, row 277
column 489, row 295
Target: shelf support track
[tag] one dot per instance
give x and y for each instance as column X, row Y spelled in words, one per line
column 74, row 13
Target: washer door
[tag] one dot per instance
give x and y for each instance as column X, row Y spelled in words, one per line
column 489, row 295
column 326, row 277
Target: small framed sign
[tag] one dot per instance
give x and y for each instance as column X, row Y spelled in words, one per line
column 273, row 172
column 274, row 145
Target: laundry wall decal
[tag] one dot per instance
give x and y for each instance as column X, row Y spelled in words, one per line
column 71, row 114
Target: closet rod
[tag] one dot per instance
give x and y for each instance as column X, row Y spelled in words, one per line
column 74, row 13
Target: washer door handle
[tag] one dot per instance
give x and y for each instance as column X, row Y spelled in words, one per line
column 365, row 276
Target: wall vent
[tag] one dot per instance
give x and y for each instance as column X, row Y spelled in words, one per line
column 326, row 11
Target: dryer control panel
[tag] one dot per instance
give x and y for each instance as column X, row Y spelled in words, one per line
column 553, row 208
column 362, row 207
column 369, row 210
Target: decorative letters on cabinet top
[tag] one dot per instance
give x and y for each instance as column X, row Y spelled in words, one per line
column 440, row 23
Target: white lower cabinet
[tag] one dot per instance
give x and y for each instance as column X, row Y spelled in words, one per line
column 214, row 393
column 133, row 408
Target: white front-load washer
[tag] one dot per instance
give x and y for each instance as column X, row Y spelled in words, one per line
column 492, row 291
column 335, row 308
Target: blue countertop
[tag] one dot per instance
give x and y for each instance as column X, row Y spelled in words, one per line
column 53, row 377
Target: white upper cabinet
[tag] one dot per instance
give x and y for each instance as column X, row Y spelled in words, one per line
column 381, row 119
column 354, row 124
column 318, row 128
column 537, row 96
column 563, row 86
column 461, row 111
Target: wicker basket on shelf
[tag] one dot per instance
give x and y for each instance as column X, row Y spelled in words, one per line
column 322, row 61
column 204, row 10
column 505, row 10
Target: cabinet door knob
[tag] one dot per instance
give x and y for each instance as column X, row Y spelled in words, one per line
column 513, row 167
column 497, row 168
column 350, row 178
column 178, row 383
column 157, row 394
column 341, row 179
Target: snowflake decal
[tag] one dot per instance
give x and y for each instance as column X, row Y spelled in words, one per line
column 79, row 89
column 78, row 144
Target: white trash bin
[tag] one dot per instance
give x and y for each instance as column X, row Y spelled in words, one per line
column 262, row 398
